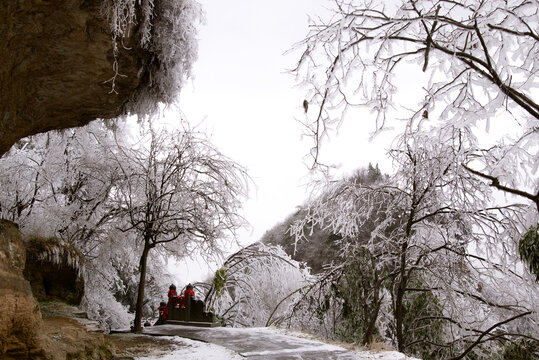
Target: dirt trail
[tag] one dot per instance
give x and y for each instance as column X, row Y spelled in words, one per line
column 68, row 334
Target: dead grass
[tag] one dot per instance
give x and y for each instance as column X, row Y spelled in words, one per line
column 140, row 345
column 59, row 309
column 376, row 346
column 67, row 336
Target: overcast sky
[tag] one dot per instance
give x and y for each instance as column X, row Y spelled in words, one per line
column 250, row 105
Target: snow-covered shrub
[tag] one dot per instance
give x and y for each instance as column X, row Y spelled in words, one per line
column 108, row 264
column 260, row 282
column 100, row 303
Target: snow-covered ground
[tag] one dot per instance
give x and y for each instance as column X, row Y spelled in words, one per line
column 382, row 355
column 199, row 350
column 361, row 355
column 195, row 350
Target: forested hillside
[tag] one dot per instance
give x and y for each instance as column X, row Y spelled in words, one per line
column 320, row 246
column 378, row 268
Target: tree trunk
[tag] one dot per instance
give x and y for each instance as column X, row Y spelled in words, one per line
column 137, row 327
column 399, row 297
column 369, row 332
column 403, row 277
column 399, row 318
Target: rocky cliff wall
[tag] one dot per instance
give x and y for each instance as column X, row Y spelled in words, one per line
column 53, row 270
column 20, row 317
column 56, row 63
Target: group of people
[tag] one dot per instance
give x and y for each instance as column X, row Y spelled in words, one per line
column 177, row 301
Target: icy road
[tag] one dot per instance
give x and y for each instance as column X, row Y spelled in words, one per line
column 256, row 344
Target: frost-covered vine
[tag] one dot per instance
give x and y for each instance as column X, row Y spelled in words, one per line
column 167, row 31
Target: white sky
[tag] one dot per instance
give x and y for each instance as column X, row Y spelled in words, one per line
column 249, row 104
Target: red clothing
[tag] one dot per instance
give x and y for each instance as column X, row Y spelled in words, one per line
column 173, row 298
column 163, row 312
column 183, row 298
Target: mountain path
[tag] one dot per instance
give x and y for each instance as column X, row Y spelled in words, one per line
column 257, row 343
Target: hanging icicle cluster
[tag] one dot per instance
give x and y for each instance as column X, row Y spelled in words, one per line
column 55, row 251
column 167, row 31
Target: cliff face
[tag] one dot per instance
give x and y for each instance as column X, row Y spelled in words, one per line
column 56, row 66
column 20, row 317
column 53, row 269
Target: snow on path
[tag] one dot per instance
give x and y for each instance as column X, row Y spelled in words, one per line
column 383, row 355
column 195, row 350
column 255, row 343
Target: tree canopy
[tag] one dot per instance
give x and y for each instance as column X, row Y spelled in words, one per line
column 464, row 64
column 439, row 72
column 177, row 192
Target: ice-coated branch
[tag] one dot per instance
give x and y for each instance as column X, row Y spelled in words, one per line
column 486, row 332
column 495, row 182
column 485, row 50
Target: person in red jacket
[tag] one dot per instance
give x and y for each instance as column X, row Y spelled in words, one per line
column 173, row 295
column 188, row 291
column 172, row 291
column 163, row 313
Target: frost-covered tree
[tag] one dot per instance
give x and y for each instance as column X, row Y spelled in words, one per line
column 179, row 194
column 255, row 286
column 59, row 184
column 318, row 240
column 444, row 67
column 432, row 62
column 52, row 178
column 433, row 242
column 115, row 199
